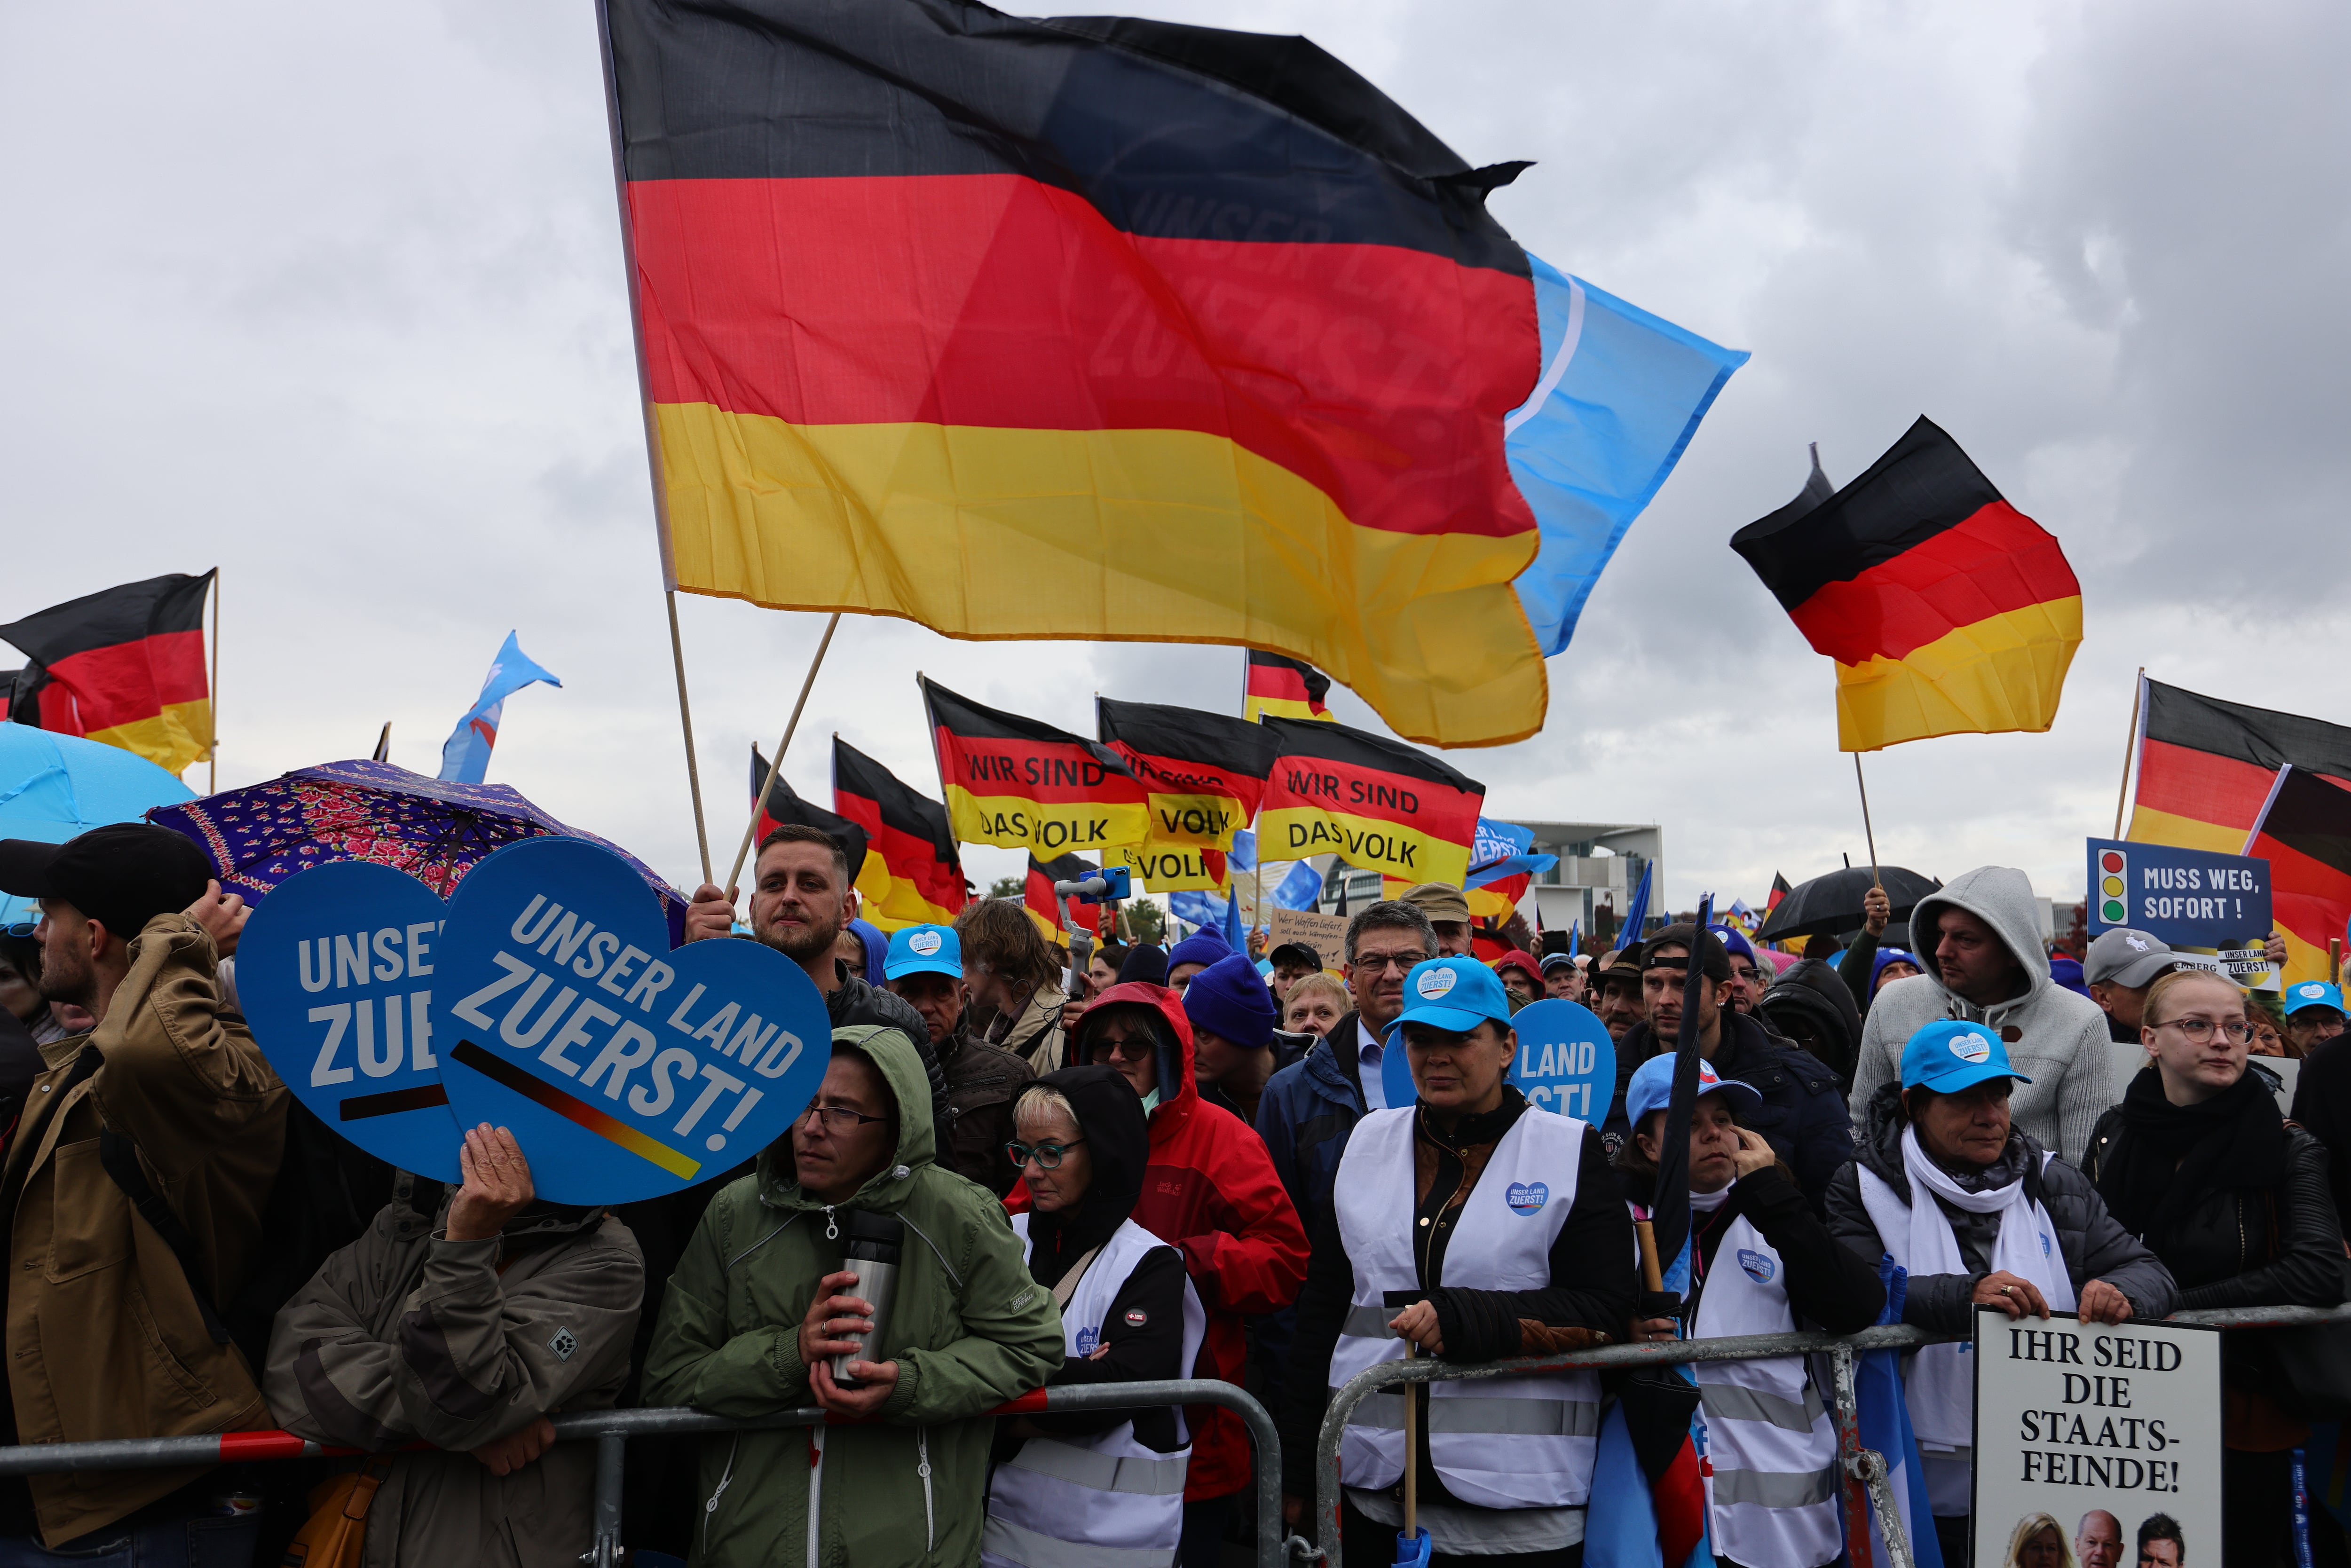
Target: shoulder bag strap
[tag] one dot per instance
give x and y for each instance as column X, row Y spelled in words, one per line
column 1068, row 1285
column 120, row 1157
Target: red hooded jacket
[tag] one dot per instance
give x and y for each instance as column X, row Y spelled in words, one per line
column 1210, row 1190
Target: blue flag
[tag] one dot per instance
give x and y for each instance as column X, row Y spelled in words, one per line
column 1622, row 393
column 466, row 755
column 1301, row 889
column 1636, row 914
column 1884, row 1409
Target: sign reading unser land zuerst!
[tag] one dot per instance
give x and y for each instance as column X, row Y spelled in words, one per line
column 2103, row 1435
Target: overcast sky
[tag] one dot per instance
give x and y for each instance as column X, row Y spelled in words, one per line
column 331, row 297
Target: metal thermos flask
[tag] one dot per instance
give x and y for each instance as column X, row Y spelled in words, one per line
column 870, row 1253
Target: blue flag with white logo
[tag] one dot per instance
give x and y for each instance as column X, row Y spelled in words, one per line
column 1621, row 395
column 466, row 755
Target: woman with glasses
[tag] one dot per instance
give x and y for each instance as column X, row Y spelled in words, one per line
column 2199, row 1164
column 1070, row 1487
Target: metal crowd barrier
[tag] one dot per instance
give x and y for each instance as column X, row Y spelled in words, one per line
column 1868, row 1488
column 612, row 1430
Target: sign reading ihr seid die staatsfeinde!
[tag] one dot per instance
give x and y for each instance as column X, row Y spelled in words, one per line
column 2109, row 1436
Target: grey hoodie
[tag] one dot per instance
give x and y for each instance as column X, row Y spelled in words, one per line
column 2055, row 1037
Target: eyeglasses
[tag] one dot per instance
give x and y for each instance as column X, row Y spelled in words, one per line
column 21, row 927
column 1124, row 1049
column 2198, row 1031
column 1380, row 962
column 839, row 1118
column 1047, row 1155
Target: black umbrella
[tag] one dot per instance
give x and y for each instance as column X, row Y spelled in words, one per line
column 1831, row 905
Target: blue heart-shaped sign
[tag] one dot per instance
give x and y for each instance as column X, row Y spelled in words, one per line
column 1566, row 1062
column 625, row 1070
column 336, row 973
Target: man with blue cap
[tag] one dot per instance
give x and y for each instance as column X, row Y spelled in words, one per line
column 1981, row 1214
column 2314, row 1015
column 1193, row 954
column 1503, row 1226
column 2322, row 1093
column 925, row 967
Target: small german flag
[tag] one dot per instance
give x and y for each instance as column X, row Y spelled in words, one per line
column 911, row 874
column 2305, row 835
column 784, row 805
column 1204, row 772
column 1019, row 784
column 1378, row 803
column 125, row 666
column 1285, row 688
column 1947, row 610
column 2206, row 767
column 1082, row 327
column 1044, row 906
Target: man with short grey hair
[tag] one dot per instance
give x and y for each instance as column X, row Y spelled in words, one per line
column 2122, row 964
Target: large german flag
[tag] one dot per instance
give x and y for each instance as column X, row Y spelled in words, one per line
column 2206, row 767
column 1285, row 688
column 1019, row 784
column 1204, row 772
column 1085, row 328
column 2305, row 835
column 1947, row 610
column 912, row 875
column 785, row 805
column 1377, row 803
column 125, row 666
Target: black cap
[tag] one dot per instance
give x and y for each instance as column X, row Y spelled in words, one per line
column 1294, row 953
column 1715, row 964
column 121, row 876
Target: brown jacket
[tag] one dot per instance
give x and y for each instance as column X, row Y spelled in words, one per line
column 406, row 1334
column 1034, row 1036
column 982, row 1082
column 104, row 1335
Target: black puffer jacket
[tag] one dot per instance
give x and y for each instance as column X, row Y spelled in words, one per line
column 1811, row 1006
column 2243, row 1247
column 1803, row 1117
column 2094, row 1246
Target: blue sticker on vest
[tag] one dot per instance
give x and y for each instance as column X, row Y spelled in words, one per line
column 1088, row 1339
column 1527, row 1198
column 2045, row 1244
column 1759, row 1265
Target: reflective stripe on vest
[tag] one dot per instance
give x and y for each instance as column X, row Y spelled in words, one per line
column 1104, row 1502
column 1772, row 1490
column 1514, row 1442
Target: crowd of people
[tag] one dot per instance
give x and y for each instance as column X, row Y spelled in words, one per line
column 1161, row 1161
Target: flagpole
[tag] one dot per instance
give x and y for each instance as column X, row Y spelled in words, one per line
column 1866, row 830
column 2130, row 748
column 685, row 721
column 212, row 752
column 776, row 766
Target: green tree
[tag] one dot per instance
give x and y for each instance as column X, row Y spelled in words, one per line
column 1007, row 887
column 1146, row 919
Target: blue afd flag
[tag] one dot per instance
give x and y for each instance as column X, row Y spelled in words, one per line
column 1636, row 914
column 1301, row 889
column 466, row 755
column 1885, row 1413
column 1621, row 395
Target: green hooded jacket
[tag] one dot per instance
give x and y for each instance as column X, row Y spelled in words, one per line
column 969, row 1330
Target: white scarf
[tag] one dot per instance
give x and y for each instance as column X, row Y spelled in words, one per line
column 1941, row 1386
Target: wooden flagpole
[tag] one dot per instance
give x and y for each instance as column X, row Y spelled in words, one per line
column 686, row 720
column 212, row 752
column 776, row 766
column 1866, row 830
column 2130, row 748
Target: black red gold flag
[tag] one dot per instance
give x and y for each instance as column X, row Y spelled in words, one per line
column 1204, row 772
column 1044, row 906
column 2305, row 835
column 1285, row 688
column 1377, row 803
column 2206, row 767
column 125, row 665
column 913, row 875
column 1080, row 328
column 1947, row 610
column 785, row 805
column 1019, row 784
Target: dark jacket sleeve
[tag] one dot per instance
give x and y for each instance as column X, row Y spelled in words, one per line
column 1935, row 1302
column 1147, row 1352
column 2308, row 1269
column 1823, row 1137
column 2316, row 1106
column 1827, row 1283
column 1590, row 1298
column 1321, row 1311
column 2098, row 1247
column 1276, row 1114
column 1855, row 964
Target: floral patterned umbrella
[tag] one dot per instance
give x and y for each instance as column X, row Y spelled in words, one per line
column 432, row 830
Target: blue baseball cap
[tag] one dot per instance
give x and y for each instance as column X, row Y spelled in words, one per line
column 1954, row 1054
column 2313, row 994
column 924, row 950
column 1653, row 1086
column 1455, row 994
column 1734, row 940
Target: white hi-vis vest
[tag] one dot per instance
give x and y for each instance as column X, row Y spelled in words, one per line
column 1104, row 1502
column 1770, row 1446
column 1518, row 1442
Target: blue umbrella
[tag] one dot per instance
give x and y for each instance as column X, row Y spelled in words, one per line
column 53, row 787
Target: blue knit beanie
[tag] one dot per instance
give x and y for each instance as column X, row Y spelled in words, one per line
column 1204, row 946
column 1228, row 998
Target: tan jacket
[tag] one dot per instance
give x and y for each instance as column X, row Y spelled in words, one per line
column 104, row 1335
column 406, row 1334
column 1035, row 1037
